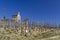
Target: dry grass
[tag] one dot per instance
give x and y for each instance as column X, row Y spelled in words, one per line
column 15, row 34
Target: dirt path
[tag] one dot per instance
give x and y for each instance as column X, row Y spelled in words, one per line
column 54, row 37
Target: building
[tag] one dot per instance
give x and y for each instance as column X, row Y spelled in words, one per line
column 14, row 22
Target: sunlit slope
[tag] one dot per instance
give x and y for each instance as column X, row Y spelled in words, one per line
column 52, row 34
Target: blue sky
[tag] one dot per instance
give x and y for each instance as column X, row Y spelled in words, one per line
column 35, row 10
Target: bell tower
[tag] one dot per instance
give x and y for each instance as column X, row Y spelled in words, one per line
column 18, row 17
